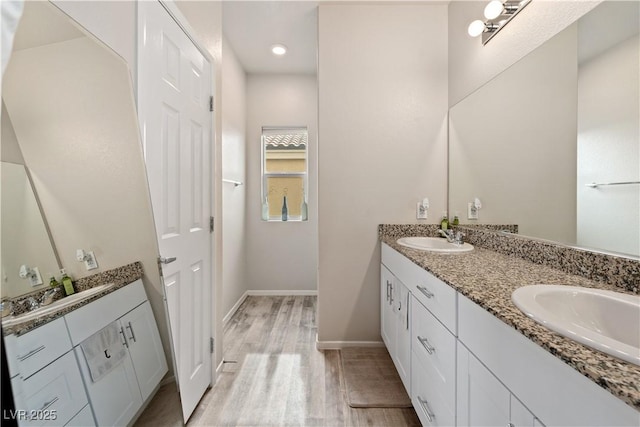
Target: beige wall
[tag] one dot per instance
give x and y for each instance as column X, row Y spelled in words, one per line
column 471, row 64
column 281, row 256
column 523, row 172
column 383, row 100
column 234, row 146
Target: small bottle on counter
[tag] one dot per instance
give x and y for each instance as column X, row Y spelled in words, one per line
column 67, row 283
column 53, row 282
column 444, row 222
column 456, row 221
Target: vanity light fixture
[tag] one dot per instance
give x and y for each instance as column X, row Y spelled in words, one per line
column 498, row 14
column 278, row 49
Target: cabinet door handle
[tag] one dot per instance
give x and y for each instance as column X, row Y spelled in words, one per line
column 408, row 305
column 45, row 407
column 133, row 336
column 124, row 337
column 391, row 293
column 425, row 343
column 427, row 293
column 388, row 284
column 511, row 425
column 425, row 406
column 31, row 353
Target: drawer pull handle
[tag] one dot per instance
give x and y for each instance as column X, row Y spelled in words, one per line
column 124, row 338
column 425, row 343
column 425, row 406
column 45, row 406
column 31, row 353
column 425, row 291
column 133, row 336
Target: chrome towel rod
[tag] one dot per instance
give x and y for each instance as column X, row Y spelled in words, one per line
column 235, row 183
column 596, row 185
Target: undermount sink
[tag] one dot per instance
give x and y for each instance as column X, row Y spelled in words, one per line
column 434, row 244
column 55, row 306
column 604, row 320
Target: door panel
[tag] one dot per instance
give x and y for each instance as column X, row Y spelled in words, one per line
column 174, row 87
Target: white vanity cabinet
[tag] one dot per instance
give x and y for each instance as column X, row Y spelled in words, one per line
column 483, row 400
column 117, row 397
column 46, row 383
column 394, row 315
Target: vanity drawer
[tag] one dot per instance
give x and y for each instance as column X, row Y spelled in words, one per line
column 429, row 403
column 89, row 319
column 52, row 396
column 39, row 347
column 438, row 297
column 434, row 347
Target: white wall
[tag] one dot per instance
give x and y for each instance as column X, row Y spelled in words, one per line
column 383, row 147
column 472, row 64
column 608, row 149
column 234, row 280
column 515, row 150
column 281, row 255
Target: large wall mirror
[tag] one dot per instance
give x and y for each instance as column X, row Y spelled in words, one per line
column 67, row 110
column 552, row 144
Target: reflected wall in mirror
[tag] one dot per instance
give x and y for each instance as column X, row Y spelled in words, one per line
column 25, row 238
column 529, row 141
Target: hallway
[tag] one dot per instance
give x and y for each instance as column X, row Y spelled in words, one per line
column 274, row 376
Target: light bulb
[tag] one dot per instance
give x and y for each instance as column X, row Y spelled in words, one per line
column 493, row 9
column 278, row 49
column 476, row 28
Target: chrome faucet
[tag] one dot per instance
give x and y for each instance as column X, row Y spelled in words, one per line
column 456, row 237
column 47, row 297
column 32, row 303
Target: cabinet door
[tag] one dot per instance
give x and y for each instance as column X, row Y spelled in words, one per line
column 520, row 415
column 115, row 398
column 387, row 315
column 145, row 347
column 403, row 335
column 482, row 399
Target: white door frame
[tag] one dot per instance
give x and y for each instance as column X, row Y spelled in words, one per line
column 175, row 13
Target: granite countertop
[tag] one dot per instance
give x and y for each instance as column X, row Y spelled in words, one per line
column 118, row 277
column 488, row 278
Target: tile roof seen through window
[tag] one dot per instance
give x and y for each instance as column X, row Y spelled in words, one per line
column 291, row 141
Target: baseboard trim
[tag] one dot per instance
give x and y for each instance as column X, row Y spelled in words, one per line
column 235, row 308
column 337, row 345
column 219, row 369
column 282, row 293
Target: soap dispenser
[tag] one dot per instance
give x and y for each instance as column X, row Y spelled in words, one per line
column 67, row 283
column 444, row 222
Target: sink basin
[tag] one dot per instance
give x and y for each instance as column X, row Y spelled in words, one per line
column 55, row 306
column 604, row 320
column 434, row 244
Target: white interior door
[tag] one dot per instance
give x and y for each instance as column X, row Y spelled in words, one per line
column 174, row 86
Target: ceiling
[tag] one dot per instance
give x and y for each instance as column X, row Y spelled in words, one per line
column 252, row 27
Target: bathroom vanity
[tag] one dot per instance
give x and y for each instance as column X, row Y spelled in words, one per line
column 50, row 376
column 473, row 358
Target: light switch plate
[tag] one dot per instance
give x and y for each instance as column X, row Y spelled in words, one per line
column 421, row 212
column 472, row 211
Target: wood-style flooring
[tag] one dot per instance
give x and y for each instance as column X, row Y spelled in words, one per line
column 274, row 376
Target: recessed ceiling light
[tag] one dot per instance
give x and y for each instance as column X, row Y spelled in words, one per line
column 278, row 49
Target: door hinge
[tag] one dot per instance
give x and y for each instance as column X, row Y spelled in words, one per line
column 211, row 227
column 211, row 346
column 211, row 103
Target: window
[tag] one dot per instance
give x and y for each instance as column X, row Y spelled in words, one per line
column 284, row 173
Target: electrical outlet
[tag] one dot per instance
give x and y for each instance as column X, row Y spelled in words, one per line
column 36, row 278
column 90, row 262
column 472, row 211
column 421, row 211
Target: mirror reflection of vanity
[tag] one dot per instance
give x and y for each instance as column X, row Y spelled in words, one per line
column 531, row 142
